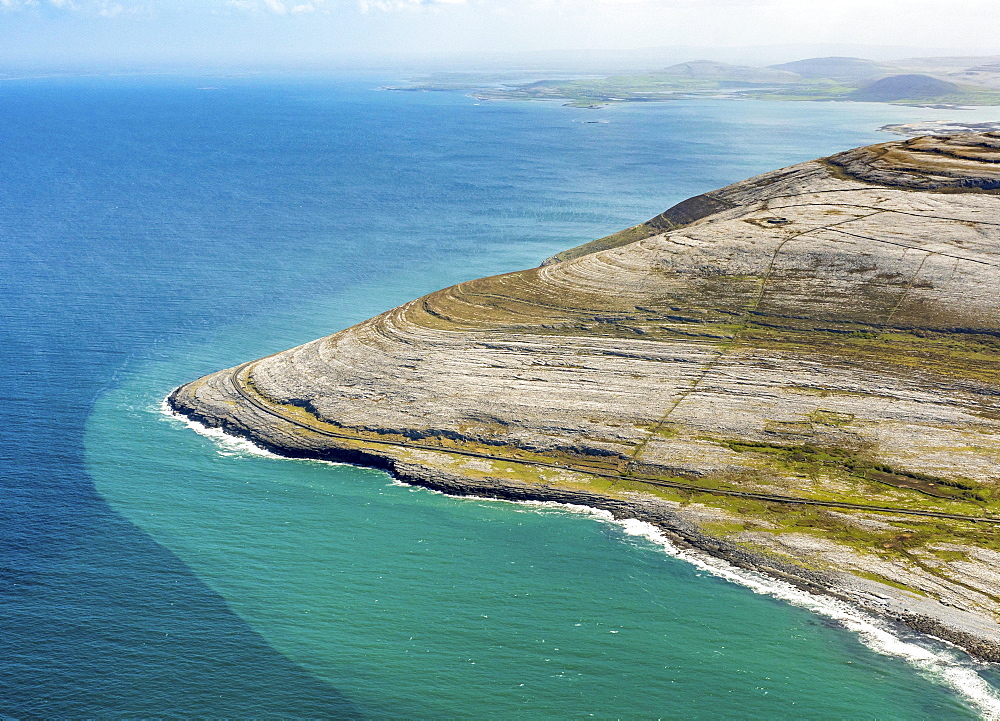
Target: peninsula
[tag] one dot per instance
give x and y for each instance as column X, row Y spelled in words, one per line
column 798, row 373
column 934, row 82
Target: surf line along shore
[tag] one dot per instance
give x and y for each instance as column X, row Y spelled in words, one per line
column 798, row 374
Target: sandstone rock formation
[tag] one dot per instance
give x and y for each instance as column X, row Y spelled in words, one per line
column 798, row 370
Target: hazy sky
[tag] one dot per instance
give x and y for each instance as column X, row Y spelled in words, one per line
column 261, row 31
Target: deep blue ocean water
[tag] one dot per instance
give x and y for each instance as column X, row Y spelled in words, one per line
column 155, row 229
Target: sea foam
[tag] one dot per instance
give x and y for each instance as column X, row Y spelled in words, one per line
column 938, row 662
column 227, row 444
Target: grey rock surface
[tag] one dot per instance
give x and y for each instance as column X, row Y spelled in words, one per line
column 827, row 333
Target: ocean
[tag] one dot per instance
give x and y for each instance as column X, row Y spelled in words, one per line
column 157, row 228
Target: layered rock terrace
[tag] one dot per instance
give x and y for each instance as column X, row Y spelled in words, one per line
column 763, row 371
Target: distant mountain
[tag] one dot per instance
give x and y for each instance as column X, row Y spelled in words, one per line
column 845, row 70
column 904, row 87
column 711, row 70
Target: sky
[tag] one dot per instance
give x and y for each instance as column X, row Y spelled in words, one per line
column 261, row 32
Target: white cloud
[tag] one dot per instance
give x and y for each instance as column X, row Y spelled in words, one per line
column 111, row 9
column 106, row 8
column 390, row 5
column 280, row 7
column 374, row 26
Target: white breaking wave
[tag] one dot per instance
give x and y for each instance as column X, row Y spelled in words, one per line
column 226, row 443
column 938, row 664
column 941, row 664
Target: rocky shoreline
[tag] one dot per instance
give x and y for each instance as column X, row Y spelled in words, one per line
column 884, row 602
column 798, row 374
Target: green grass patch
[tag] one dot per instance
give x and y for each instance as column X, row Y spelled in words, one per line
column 615, row 240
column 811, row 460
column 888, row 582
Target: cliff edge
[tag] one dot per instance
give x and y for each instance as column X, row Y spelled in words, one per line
column 799, row 373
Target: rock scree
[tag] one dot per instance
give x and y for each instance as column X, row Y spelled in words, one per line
column 798, row 373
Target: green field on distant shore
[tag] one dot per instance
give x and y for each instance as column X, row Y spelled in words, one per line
column 916, row 82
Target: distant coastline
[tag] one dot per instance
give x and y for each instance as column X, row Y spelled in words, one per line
column 922, row 82
column 939, row 127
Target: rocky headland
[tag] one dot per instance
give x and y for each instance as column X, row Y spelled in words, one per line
column 798, row 373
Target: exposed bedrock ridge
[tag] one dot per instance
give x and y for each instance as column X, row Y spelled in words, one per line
column 828, row 331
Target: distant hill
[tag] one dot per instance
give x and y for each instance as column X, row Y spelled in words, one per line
column 904, row 87
column 984, row 76
column 711, row 70
column 936, row 80
column 938, row 65
column 845, row 70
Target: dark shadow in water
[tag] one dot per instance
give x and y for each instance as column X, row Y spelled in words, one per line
column 99, row 620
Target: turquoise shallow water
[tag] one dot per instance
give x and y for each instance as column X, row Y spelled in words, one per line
column 412, row 603
column 161, row 231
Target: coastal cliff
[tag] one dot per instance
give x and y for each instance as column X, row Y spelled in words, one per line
column 798, row 373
